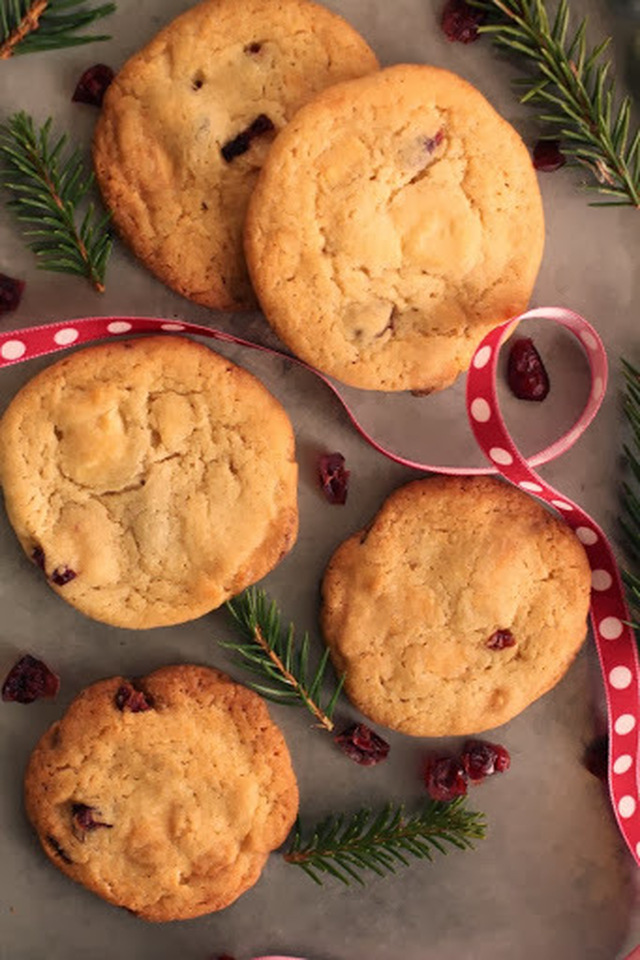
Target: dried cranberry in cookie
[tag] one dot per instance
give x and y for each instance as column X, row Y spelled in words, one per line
column 396, row 220
column 171, row 812
column 447, row 565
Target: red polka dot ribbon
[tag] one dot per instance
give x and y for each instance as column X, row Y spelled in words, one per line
column 614, row 639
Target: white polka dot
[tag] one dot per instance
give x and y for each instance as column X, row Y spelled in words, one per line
column 66, row 336
column 598, row 387
column 624, row 724
column 601, row 579
column 501, row 456
column 172, row 326
column 623, row 763
column 482, row 358
column 12, row 349
column 620, row 678
column 611, row 628
column 119, row 326
column 529, row 485
column 586, row 535
column 589, row 340
column 480, row 410
column 562, row 505
column 626, row 807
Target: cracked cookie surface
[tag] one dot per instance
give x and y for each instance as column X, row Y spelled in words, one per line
column 396, row 220
column 150, row 479
column 462, row 603
column 188, row 121
column 170, row 811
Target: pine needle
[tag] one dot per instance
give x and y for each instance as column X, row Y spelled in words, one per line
column 571, row 84
column 47, row 185
column 279, row 658
column 345, row 847
column 27, row 26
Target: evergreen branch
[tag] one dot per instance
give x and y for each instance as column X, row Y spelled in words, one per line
column 345, row 847
column 278, row 657
column 27, row 26
column 573, row 85
column 46, row 190
column 630, row 497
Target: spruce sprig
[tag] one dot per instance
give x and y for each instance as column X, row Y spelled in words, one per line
column 277, row 656
column 345, row 847
column 630, row 519
column 571, row 82
column 47, row 185
column 27, row 26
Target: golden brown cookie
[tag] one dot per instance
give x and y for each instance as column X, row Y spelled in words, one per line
column 463, row 602
column 396, row 220
column 188, row 121
column 150, row 479
column 165, row 797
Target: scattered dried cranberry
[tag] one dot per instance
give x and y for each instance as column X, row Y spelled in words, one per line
column 526, row 374
column 481, row 759
column 547, row 156
column 460, row 21
column 62, row 575
column 596, row 758
column 333, row 477
column 501, row 639
column 28, row 680
column 135, row 701
column 362, row 745
column 445, row 778
column 240, row 144
column 10, row 292
column 38, row 557
column 84, row 820
column 92, row 85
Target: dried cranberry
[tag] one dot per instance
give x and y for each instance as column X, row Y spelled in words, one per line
column 547, row 156
column 28, row 680
column 62, row 575
column 57, row 848
column 92, row 85
column 431, row 143
column 333, row 477
column 481, row 759
column 135, row 701
column 460, row 21
column 240, row 144
column 84, row 820
column 526, row 374
column 596, row 758
column 10, row 292
column 445, row 778
column 38, row 557
column 362, row 745
column 501, row 639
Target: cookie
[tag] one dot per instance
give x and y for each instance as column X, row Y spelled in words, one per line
column 462, row 603
column 150, row 479
column 188, row 121
column 165, row 797
column 396, row 220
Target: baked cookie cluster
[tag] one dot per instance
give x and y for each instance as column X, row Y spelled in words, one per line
column 382, row 211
